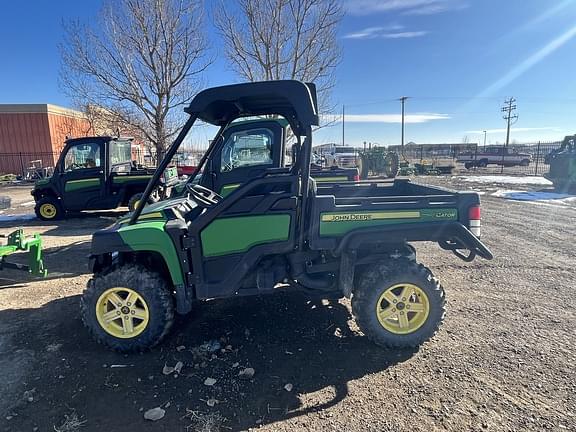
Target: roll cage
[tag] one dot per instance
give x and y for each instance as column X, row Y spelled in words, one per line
column 220, row 106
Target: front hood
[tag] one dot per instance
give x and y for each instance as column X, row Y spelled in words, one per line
column 42, row 182
column 155, row 211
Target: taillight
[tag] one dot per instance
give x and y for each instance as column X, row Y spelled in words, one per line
column 356, row 177
column 474, row 215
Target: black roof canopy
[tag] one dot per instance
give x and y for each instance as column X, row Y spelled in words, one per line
column 293, row 100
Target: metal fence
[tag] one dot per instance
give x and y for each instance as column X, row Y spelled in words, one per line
column 28, row 165
column 32, row 165
column 447, row 155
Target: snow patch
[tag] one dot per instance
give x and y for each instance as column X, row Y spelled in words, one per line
column 552, row 198
column 17, row 217
column 503, row 179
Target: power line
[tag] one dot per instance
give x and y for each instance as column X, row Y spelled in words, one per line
column 526, row 99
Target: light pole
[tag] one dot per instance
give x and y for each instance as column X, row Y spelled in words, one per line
column 484, row 140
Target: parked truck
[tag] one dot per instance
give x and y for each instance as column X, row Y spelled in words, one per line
column 494, row 155
column 278, row 229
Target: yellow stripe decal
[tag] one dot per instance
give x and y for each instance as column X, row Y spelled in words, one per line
column 151, row 216
column 329, row 179
column 228, row 189
column 86, row 180
column 359, row 217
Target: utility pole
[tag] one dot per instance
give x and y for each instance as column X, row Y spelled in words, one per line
column 403, row 101
column 343, row 124
column 508, row 109
column 484, row 140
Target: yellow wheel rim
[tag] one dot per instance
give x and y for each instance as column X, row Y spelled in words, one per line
column 122, row 312
column 48, row 210
column 403, row 308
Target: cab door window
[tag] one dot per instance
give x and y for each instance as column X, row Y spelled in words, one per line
column 81, row 156
column 247, row 149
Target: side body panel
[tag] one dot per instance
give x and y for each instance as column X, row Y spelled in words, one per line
column 238, row 234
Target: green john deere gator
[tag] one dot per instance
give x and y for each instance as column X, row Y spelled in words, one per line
column 277, row 229
column 95, row 173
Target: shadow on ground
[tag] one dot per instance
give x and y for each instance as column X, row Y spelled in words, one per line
column 62, row 262
column 287, row 339
column 76, row 225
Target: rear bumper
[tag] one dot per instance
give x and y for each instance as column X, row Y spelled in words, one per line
column 451, row 236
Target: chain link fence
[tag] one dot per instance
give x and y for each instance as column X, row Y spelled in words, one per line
column 519, row 159
column 31, row 166
column 28, row 166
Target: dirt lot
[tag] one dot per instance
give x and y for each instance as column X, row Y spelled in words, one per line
column 504, row 359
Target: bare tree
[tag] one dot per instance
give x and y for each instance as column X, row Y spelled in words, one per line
column 283, row 39
column 142, row 61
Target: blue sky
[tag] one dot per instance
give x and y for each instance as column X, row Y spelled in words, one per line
column 457, row 60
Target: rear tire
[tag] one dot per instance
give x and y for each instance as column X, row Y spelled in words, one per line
column 49, row 208
column 132, row 293
column 416, row 294
column 362, row 165
column 391, row 164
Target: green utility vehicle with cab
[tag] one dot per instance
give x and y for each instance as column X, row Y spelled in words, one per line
column 95, row 173
column 254, row 146
column 278, row 229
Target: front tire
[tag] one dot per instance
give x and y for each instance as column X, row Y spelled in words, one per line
column 48, row 209
column 129, row 309
column 398, row 304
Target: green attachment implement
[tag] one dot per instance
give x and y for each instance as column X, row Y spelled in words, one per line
column 17, row 241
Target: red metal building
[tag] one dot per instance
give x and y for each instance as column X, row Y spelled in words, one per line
column 30, row 132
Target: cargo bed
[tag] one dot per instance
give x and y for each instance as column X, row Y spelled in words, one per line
column 395, row 211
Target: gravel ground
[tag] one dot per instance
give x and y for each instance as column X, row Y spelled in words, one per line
column 503, row 361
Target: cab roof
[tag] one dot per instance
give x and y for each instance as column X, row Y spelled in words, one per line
column 293, row 100
column 98, row 138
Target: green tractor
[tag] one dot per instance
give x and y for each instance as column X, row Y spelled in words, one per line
column 17, row 241
column 378, row 161
column 275, row 229
column 563, row 166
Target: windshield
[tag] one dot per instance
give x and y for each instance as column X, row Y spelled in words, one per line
column 344, row 150
column 120, row 152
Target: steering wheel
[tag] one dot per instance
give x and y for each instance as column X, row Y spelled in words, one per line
column 204, row 197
